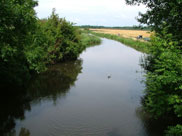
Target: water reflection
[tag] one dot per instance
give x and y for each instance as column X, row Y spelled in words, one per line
column 103, row 102
column 50, row 85
column 13, row 103
column 152, row 127
column 55, row 82
column 24, row 132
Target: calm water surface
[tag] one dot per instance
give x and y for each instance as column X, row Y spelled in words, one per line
column 97, row 95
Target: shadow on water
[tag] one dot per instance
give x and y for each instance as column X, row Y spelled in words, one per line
column 152, row 126
column 52, row 84
column 13, row 105
column 55, row 82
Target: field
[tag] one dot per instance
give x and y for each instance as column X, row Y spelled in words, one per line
column 124, row 33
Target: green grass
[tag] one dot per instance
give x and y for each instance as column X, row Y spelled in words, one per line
column 136, row 44
column 89, row 40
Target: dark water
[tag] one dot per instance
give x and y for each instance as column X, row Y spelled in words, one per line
column 97, row 95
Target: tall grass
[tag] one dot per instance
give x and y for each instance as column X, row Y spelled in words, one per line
column 136, row 44
column 89, row 40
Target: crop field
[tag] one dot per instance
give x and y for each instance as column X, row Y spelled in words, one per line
column 124, row 33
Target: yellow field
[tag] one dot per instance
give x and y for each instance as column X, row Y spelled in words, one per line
column 124, row 33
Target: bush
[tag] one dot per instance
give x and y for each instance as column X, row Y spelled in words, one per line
column 28, row 45
column 163, row 94
column 174, row 131
column 18, row 24
column 63, row 39
column 164, row 79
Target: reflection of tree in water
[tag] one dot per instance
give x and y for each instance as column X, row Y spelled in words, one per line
column 55, row 82
column 24, row 132
column 152, row 126
column 13, row 103
column 52, row 84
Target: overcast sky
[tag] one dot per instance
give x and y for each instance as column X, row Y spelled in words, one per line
column 92, row 12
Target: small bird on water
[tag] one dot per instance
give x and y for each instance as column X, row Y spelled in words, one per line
column 109, row 76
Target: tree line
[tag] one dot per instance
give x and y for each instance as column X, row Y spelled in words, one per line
column 140, row 27
column 29, row 44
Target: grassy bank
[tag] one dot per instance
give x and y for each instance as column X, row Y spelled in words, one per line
column 89, row 40
column 136, row 44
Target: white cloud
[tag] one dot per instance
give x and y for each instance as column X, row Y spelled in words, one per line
column 92, row 12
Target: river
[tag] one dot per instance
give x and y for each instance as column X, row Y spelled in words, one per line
column 97, row 95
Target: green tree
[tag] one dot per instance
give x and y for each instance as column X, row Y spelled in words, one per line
column 163, row 97
column 162, row 14
column 174, row 131
column 64, row 39
column 17, row 24
column 28, row 45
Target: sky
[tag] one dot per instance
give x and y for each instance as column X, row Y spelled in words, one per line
column 92, row 12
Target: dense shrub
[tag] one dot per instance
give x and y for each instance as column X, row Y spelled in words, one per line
column 63, row 39
column 18, row 23
column 163, row 97
column 174, row 131
column 28, row 45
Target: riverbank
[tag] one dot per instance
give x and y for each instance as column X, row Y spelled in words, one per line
column 89, row 40
column 136, row 44
column 39, row 44
column 79, row 93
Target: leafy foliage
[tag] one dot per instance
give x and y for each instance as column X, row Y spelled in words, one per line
column 162, row 14
column 28, row 45
column 63, row 39
column 164, row 80
column 18, row 22
column 163, row 97
column 174, row 131
column 163, row 94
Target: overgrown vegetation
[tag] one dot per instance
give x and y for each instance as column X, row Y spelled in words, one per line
column 136, row 44
column 174, row 131
column 28, row 45
column 163, row 94
column 63, row 39
column 88, row 39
